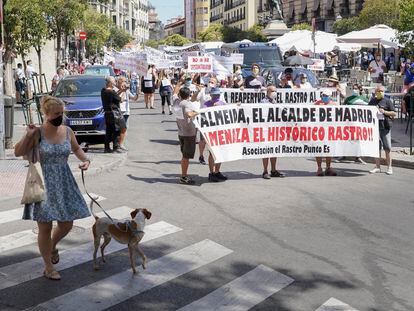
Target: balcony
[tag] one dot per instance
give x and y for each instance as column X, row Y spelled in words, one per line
column 216, row 17
column 234, row 4
column 216, row 3
column 235, row 19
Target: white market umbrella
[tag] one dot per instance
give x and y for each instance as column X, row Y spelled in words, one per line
column 372, row 37
column 301, row 41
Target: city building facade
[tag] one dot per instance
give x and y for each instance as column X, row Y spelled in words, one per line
column 155, row 26
column 175, row 26
column 197, row 16
column 241, row 14
column 130, row 15
column 325, row 12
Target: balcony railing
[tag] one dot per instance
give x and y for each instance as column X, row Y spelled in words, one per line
column 234, row 4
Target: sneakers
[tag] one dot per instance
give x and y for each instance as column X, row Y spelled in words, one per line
column 276, row 174
column 186, row 181
column 266, row 175
column 213, row 178
column 389, row 171
column 170, row 113
column 376, row 170
column 220, row 176
column 201, row 160
column 123, row 148
column 360, row 161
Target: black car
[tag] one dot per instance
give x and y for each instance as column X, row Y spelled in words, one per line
column 272, row 75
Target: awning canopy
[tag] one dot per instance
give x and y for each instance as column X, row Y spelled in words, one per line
column 372, row 37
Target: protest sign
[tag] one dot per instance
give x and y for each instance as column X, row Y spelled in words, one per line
column 283, row 96
column 318, row 65
column 125, row 61
column 141, row 67
column 265, row 130
column 200, row 64
column 237, row 58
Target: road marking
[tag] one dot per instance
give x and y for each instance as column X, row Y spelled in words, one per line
column 122, row 286
column 335, row 305
column 16, row 214
column 244, row 292
column 27, row 237
column 33, row 268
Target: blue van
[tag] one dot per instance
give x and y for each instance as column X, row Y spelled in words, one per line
column 265, row 54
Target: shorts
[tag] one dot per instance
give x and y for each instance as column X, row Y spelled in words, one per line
column 126, row 116
column 187, row 146
column 385, row 139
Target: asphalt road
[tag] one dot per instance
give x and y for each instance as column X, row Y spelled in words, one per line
column 298, row 243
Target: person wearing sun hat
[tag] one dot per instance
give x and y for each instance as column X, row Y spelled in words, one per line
column 333, row 81
column 325, row 100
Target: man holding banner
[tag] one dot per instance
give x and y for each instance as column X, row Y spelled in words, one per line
column 270, row 99
column 325, row 100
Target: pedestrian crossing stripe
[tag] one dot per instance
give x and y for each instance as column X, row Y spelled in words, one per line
column 27, row 237
column 122, row 286
column 16, row 214
column 335, row 305
column 28, row 270
column 244, row 292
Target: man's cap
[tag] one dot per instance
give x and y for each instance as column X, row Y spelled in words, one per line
column 215, row 91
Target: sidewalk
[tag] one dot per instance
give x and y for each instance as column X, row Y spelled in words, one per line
column 13, row 170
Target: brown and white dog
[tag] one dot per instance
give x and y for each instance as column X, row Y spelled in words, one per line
column 130, row 232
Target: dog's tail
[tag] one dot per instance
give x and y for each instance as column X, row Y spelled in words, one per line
column 91, row 208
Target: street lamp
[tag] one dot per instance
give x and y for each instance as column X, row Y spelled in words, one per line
column 338, row 17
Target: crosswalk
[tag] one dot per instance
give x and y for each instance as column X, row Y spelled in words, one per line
column 241, row 293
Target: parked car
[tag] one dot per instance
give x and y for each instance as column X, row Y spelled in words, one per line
column 272, row 75
column 83, row 106
column 100, row 71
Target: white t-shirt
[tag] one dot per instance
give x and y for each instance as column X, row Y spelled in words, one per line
column 124, row 104
column 377, row 65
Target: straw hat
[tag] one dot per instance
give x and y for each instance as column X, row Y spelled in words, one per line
column 333, row 78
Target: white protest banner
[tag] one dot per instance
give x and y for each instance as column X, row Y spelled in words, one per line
column 125, row 61
column 238, row 58
column 265, row 130
column 200, row 64
column 283, row 96
column 318, row 65
column 141, row 67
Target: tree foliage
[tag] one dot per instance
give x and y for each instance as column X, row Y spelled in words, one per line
column 213, row 33
column 232, row 34
column 346, row 25
column 63, row 16
column 377, row 12
column 302, row 26
column 98, row 30
column 405, row 24
column 118, row 37
column 25, row 24
column 255, row 34
column 176, row 40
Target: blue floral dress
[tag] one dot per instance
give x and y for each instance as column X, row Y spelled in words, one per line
column 63, row 200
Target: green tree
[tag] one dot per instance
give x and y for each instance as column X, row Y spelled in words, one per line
column 153, row 43
column 346, row 25
column 118, row 37
column 63, row 17
column 405, row 24
column 213, row 33
column 255, row 34
column 302, row 26
column 98, row 30
column 176, row 40
column 379, row 12
column 232, row 34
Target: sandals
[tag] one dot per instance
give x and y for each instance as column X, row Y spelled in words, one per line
column 330, row 172
column 320, row 173
column 55, row 257
column 276, row 174
column 52, row 275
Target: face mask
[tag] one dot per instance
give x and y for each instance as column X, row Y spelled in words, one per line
column 187, row 83
column 330, row 84
column 57, row 121
column 272, row 95
column 355, row 92
column 325, row 99
column 304, row 80
column 379, row 95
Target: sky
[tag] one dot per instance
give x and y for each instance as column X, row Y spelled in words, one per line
column 167, row 9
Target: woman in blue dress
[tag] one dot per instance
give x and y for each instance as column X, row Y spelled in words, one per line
column 63, row 201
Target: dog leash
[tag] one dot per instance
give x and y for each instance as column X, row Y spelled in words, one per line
column 93, row 200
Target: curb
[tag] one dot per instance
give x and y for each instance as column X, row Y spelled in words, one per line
column 395, row 163
column 105, row 167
